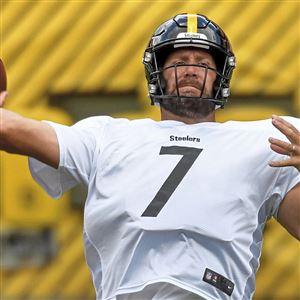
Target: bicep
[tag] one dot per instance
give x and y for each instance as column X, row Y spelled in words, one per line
column 289, row 212
column 46, row 147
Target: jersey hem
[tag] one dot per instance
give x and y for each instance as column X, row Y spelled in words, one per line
column 140, row 287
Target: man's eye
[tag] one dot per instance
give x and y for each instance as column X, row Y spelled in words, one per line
column 206, row 64
column 180, row 63
column 203, row 63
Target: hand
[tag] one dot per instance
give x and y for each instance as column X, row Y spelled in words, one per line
column 3, row 95
column 291, row 149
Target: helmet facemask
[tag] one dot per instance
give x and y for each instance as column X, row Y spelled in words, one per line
column 191, row 104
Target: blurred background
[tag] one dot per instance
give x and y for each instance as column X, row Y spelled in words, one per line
column 67, row 60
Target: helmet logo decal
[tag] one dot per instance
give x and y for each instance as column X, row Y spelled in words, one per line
column 192, row 35
column 192, row 23
column 189, row 39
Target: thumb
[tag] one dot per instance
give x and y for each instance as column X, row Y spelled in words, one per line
column 3, row 95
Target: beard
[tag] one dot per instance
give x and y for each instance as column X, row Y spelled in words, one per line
column 189, row 104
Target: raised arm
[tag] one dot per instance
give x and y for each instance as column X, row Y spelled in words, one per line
column 28, row 137
column 289, row 210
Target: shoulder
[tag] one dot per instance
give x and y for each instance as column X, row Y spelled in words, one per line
column 108, row 127
column 260, row 126
column 98, row 121
column 98, row 124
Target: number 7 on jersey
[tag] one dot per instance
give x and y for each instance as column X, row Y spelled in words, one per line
column 189, row 155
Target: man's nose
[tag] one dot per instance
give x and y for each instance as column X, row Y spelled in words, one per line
column 193, row 71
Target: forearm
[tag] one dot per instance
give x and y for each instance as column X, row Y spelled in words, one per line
column 28, row 137
column 11, row 128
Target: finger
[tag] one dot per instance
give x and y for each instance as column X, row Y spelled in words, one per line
column 279, row 149
column 280, row 163
column 282, row 147
column 3, row 95
column 285, row 122
column 291, row 162
column 287, row 129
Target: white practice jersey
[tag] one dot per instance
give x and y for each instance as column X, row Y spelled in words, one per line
column 172, row 209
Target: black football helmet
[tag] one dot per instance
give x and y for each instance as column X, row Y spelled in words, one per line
column 189, row 30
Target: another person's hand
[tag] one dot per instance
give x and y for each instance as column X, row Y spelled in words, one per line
column 292, row 149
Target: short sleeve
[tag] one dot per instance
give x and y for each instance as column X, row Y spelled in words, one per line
column 77, row 147
column 287, row 179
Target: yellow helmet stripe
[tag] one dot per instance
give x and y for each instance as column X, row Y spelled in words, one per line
column 192, row 23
